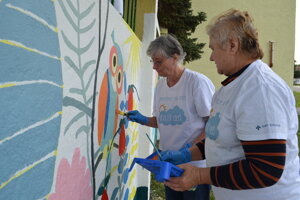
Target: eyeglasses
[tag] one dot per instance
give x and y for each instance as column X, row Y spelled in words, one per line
column 159, row 62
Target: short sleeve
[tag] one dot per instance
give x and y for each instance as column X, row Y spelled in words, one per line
column 155, row 110
column 203, row 92
column 262, row 113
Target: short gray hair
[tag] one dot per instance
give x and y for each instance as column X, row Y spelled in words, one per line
column 167, row 46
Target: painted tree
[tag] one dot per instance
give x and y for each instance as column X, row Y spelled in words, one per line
column 177, row 16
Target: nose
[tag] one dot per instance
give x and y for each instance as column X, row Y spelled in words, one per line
column 154, row 65
column 211, row 57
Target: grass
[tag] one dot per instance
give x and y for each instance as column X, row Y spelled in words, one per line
column 297, row 97
column 157, row 190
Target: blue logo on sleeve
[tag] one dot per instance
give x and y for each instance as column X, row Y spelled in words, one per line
column 211, row 128
column 172, row 117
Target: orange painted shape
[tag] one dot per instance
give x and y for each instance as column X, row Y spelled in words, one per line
column 130, row 99
column 102, row 107
column 122, row 141
column 116, row 116
column 154, row 157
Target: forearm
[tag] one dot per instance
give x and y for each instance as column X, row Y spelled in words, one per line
column 195, row 153
column 204, row 176
column 152, row 122
column 263, row 166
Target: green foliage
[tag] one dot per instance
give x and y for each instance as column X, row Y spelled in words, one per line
column 177, row 16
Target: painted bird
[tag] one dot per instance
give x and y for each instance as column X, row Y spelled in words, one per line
column 109, row 96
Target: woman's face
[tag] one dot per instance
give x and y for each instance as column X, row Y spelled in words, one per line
column 220, row 56
column 163, row 65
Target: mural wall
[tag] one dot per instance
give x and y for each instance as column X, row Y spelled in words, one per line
column 67, row 69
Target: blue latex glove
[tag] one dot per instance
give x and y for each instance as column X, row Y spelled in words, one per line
column 136, row 116
column 183, row 155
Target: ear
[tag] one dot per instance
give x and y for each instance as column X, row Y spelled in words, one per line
column 176, row 57
column 234, row 45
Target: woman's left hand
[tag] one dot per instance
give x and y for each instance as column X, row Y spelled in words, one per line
column 191, row 177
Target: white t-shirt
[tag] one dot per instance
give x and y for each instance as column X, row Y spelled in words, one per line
column 180, row 109
column 257, row 105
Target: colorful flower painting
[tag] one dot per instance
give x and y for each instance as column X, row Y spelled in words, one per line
column 73, row 179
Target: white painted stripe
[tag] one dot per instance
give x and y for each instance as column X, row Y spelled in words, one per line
column 31, row 127
column 20, row 83
column 26, row 169
column 34, row 16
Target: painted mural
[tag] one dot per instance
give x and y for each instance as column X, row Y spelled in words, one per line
column 68, row 69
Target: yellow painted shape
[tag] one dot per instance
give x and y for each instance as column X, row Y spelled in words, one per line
column 105, row 152
column 132, row 176
column 133, row 149
column 8, row 85
column 20, row 173
column 134, row 55
column 133, row 192
column 12, row 43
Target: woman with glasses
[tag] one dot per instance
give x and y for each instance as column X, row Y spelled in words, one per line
column 182, row 103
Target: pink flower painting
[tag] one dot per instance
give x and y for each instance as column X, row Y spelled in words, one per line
column 73, row 181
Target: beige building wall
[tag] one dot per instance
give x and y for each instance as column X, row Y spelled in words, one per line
column 143, row 7
column 275, row 21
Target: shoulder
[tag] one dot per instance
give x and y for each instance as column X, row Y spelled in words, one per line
column 199, row 83
column 197, row 77
column 263, row 76
column 262, row 81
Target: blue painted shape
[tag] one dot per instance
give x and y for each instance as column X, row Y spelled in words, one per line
column 31, row 146
column 43, row 10
column 174, row 116
column 19, row 65
column 26, row 30
column 24, row 105
column 110, row 113
column 211, row 128
column 34, row 184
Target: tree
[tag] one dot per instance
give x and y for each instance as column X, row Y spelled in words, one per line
column 177, row 16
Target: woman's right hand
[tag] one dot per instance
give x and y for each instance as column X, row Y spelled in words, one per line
column 136, row 116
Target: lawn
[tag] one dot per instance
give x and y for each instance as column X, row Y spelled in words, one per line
column 157, row 189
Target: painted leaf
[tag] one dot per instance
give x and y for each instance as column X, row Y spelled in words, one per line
column 30, row 96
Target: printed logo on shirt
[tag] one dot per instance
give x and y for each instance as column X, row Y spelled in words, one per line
column 258, row 127
column 174, row 116
column 211, row 128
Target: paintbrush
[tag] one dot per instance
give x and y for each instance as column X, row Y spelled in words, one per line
column 154, row 147
column 121, row 113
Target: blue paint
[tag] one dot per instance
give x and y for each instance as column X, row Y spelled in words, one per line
column 42, row 9
column 32, row 185
column 24, row 105
column 110, row 113
column 27, row 148
column 26, row 30
column 174, row 116
column 19, row 65
column 211, row 128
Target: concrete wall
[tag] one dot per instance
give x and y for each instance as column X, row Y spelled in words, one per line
column 66, row 68
column 275, row 21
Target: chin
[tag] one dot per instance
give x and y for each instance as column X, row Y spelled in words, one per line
column 220, row 71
